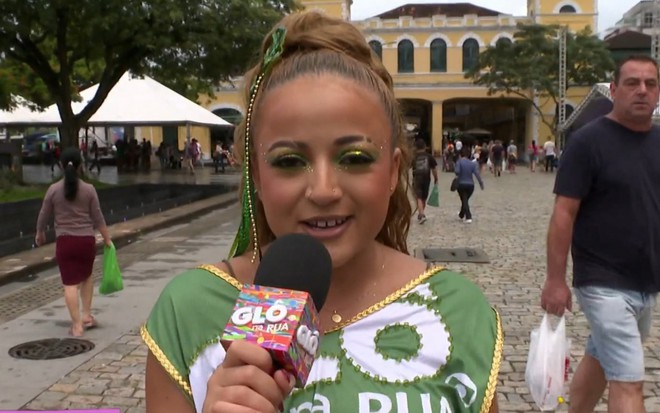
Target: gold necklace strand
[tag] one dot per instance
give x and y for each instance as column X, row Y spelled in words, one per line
column 380, row 305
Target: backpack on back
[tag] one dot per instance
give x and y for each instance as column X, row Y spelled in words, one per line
column 421, row 166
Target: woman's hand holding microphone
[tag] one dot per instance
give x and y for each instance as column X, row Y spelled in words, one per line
column 247, row 382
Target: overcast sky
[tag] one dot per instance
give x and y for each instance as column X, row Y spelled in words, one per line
column 609, row 11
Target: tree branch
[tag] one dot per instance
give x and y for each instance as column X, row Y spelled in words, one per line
column 35, row 59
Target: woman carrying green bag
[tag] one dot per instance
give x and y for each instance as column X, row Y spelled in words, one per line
column 74, row 204
column 111, row 282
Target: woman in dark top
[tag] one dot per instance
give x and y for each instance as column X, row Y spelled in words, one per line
column 465, row 171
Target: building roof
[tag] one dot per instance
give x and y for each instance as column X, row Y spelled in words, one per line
column 628, row 39
column 417, row 10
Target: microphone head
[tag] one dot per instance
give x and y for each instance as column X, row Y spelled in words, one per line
column 297, row 262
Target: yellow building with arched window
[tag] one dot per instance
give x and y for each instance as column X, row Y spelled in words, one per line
column 428, row 47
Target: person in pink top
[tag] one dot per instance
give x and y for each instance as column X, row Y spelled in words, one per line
column 533, row 152
column 74, row 205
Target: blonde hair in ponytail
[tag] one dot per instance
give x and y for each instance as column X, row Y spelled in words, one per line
column 317, row 44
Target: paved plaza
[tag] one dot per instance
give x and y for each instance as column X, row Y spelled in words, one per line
column 510, row 221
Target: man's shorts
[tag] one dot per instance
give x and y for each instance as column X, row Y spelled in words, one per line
column 421, row 186
column 620, row 321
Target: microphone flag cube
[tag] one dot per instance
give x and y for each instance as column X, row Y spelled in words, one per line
column 285, row 322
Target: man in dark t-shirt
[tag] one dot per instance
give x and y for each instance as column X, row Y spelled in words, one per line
column 497, row 157
column 424, row 164
column 608, row 210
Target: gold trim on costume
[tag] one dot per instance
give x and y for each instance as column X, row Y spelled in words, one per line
column 495, row 367
column 222, row 274
column 164, row 361
column 388, row 300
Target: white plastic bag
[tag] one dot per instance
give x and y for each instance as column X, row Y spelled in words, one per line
column 546, row 363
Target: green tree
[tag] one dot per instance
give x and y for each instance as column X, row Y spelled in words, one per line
column 51, row 49
column 529, row 66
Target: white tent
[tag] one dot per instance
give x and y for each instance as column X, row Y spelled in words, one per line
column 133, row 101
column 22, row 113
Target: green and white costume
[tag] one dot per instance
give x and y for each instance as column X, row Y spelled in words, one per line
column 432, row 347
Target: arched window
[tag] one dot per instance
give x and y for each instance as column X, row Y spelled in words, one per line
column 377, row 47
column 470, row 54
column 438, row 56
column 406, row 56
column 504, row 41
column 567, row 9
column 231, row 115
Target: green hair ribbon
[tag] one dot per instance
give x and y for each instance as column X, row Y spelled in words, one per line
column 247, row 227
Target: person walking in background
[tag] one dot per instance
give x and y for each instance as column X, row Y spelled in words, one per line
column 607, row 171
column 197, row 152
column 189, row 149
column 550, row 155
column 512, row 156
column 74, row 204
column 497, row 156
column 424, row 165
column 466, row 170
column 95, row 162
column 533, row 152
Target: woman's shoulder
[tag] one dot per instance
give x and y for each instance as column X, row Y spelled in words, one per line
column 198, row 282
column 54, row 188
column 444, row 284
column 86, row 186
column 190, row 313
column 195, row 297
column 56, row 185
column 457, row 285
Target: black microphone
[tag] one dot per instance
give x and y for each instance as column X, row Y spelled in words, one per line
column 279, row 312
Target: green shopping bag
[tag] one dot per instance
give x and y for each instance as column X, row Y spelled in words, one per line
column 111, row 282
column 434, row 197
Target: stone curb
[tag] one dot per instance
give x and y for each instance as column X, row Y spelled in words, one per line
column 35, row 260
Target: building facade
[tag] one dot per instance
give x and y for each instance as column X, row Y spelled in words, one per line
column 427, row 48
column 639, row 17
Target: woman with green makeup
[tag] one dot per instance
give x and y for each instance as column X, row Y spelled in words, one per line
column 324, row 153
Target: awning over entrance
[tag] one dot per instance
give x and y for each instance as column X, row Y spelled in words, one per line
column 477, row 131
column 598, row 102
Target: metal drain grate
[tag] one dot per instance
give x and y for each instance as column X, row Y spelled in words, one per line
column 51, row 348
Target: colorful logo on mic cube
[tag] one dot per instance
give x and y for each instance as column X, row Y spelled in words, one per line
column 285, row 322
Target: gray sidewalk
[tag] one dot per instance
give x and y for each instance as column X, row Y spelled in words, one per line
column 112, row 373
column 510, row 223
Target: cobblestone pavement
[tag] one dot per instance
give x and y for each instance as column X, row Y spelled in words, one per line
column 510, row 224
column 510, row 220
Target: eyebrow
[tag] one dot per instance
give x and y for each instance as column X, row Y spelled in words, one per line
column 341, row 141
